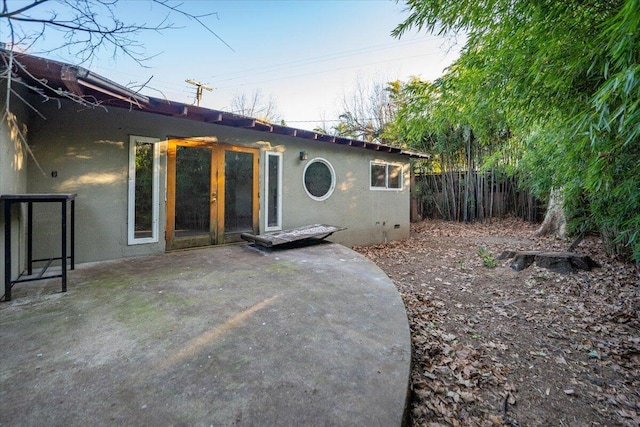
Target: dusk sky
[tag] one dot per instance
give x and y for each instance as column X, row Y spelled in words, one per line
column 306, row 55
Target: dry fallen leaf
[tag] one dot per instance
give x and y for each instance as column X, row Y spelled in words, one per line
column 477, row 332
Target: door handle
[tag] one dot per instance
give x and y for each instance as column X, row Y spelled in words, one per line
column 214, row 197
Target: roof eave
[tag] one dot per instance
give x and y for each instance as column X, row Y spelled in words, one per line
column 79, row 81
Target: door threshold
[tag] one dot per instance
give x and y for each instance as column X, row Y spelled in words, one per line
column 192, row 248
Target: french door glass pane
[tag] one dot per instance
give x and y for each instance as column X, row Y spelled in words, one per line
column 238, row 197
column 193, row 190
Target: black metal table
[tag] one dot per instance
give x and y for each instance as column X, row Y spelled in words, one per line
column 65, row 200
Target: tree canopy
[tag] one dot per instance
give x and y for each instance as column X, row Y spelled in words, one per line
column 553, row 84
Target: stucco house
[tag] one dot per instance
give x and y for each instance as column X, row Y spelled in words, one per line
column 153, row 175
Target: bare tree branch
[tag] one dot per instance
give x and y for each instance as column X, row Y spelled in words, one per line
column 88, row 26
column 367, row 111
column 6, row 14
column 197, row 18
column 256, row 106
column 42, row 85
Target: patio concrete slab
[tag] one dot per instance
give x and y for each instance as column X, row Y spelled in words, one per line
column 224, row 336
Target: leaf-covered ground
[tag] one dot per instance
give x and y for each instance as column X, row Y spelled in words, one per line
column 495, row 347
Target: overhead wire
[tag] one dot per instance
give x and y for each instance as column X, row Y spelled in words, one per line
column 327, row 70
column 317, row 59
column 170, row 90
column 170, row 87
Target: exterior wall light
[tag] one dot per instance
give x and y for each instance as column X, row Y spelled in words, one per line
column 303, row 155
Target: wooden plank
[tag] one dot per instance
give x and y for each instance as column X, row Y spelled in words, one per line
column 309, row 232
column 213, row 117
column 327, row 138
column 283, row 130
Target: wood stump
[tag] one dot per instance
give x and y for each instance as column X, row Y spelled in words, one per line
column 560, row 262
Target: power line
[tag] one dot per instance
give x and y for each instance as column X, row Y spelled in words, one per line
column 326, row 120
column 290, row 76
column 317, row 59
column 170, row 86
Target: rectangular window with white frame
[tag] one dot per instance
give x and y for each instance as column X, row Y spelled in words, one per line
column 144, row 205
column 273, row 191
column 385, row 176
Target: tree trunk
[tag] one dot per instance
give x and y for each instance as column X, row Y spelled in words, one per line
column 445, row 190
column 555, row 221
column 491, row 194
column 416, row 214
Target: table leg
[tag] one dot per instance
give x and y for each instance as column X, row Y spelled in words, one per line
column 7, row 250
column 64, row 246
column 29, row 238
column 73, row 234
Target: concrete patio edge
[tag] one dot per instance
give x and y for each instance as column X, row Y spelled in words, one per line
column 222, row 336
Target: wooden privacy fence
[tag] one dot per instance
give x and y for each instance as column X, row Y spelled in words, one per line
column 471, row 196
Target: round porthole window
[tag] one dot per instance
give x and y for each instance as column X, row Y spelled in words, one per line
column 319, row 179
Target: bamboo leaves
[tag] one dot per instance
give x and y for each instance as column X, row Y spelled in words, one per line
column 554, row 87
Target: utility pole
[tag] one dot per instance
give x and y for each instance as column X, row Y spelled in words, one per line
column 199, row 86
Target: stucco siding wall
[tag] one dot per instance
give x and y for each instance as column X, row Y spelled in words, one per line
column 13, row 179
column 87, row 151
column 370, row 216
column 13, row 155
column 92, row 163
